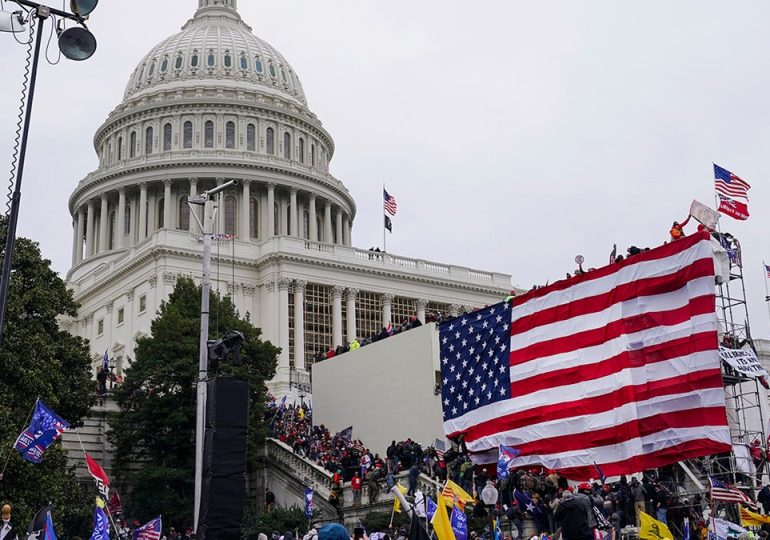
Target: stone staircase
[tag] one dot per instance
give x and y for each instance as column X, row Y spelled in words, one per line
column 93, row 436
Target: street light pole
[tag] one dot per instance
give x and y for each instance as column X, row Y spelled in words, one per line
column 209, row 214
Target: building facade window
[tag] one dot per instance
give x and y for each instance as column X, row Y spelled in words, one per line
column 121, row 315
column 120, row 148
column 178, row 62
column 230, row 135
column 143, row 303
column 438, row 308
column 369, row 314
column 132, row 144
column 244, row 62
column 270, row 140
column 228, row 60
column 211, row 60
column 312, row 155
column 401, row 309
column 100, row 327
column 184, row 214
column 251, row 138
column 188, row 134
column 164, row 65
column 113, row 230
column 127, row 220
column 301, row 150
column 231, row 205
column 168, row 132
column 161, row 213
column 208, row 134
column 194, row 60
column 277, row 219
column 318, row 318
column 258, row 65
column 287, row 145
column 148, row 140
column 253, row 218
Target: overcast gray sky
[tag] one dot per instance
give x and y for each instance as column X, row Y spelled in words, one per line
column 514, row 134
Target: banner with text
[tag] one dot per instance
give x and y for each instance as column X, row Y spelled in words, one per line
column 744, row 361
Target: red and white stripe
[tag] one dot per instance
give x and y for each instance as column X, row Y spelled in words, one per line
column 618, row 367
column 736, row 188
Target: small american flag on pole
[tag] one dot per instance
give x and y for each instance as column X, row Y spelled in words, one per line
column 149, row 531
column 617, row 368
column 767, row 270
column 732, row 192
column 727, row 493
column 389, row 205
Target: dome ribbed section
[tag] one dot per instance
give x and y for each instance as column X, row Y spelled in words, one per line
column 216, row 46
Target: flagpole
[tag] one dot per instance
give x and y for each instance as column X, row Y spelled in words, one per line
column 26, row 423
column 766, row 272
column 384, row 231
column 106, row 508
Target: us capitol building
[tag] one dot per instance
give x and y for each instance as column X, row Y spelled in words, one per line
column 207, row 105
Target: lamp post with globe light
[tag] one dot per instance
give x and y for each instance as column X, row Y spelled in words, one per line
column 76, row 43
column 489, row 496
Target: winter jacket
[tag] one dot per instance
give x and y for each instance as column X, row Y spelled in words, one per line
column 572, row 515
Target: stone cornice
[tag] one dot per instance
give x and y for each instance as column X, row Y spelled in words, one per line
column 152, row 256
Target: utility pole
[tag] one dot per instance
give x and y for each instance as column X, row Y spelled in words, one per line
column 206, row 200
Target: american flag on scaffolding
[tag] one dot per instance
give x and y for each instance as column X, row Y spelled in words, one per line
column 617, row 368
column 725, row 492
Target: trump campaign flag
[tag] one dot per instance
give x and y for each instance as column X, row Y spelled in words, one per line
column 507, row 454
column 41, row 526
column 733, row 193
column 46, row 426
column 101, row 525
column 617, row 368
column 309, row 505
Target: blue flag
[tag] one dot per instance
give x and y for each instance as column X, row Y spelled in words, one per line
column 686, row 533
column 282, row 406
column 101, row 525
column 506, row 456
column 309, row 505
column 431, row 508
column 45, row 428
column 526, row 504
column 602, row 477
column 459, row 523
column 106, row 361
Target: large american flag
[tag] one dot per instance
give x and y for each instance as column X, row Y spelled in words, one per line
column 389, row 204
column 617, row 368
column 149, row 531
column 729, row 184
column 725, row 492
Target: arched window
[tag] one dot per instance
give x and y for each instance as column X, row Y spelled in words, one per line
column 287, row 145
column 148, row 141
column 194, row 59
column 112, row 230
column 272, row 70
column 270, row 141
column 276, row 219
column 230, row 214
column 188, row 134
column 208, row 134
column 161, row 213
column 253, row 218
column 244, row 62
column 230, row 135
column 312, row 155
column 152, row 70
column 305, row 225
column 211, row 60
column 127, row 220
column 132, row 145
column 178, row 62
column 120, row 148
column 301, row 150
column 283, row 75
column 184, row 214
column 251, row 138
column 258, row 64
column 164, row 65
column 228, row 60
column 109, row 152
column 168, row 131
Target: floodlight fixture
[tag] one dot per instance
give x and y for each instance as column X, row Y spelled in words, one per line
column 83, row 8
column 12, row 21
column 77, row 43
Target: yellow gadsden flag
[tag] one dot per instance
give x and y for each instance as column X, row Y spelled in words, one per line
column 452, row 490
column 396, row 500
column 441, row 525
column 752, row 519
column 652, row 529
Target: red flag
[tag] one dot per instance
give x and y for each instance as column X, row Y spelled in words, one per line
column 115, row 506
column 100, row 477
column 733, row 208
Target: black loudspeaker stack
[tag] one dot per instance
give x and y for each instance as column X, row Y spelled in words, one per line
column 224, row 460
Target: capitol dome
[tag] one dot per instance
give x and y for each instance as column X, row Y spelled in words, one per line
column 216, row 46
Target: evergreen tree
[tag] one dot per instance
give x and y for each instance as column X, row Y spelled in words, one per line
column 38, row 359
column 154, row 433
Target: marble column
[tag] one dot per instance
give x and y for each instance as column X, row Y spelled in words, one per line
column 120, row 220
column 352, row 294
column 142, row 211
column 328, row 222
column 75, row 219
column 313, row 219
column 245, row 232
column 338, row 227
column 337, row 315
column 346, row 232
column 422, row 303
column 283, row 324
column 387, row 301
column 220, row 225
column 168, row 207
column 299, row 324
column 271, row 210
column 103, row 220
column 193, row 208
column 294, row 219
column 90, row 229
column 81, row 232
